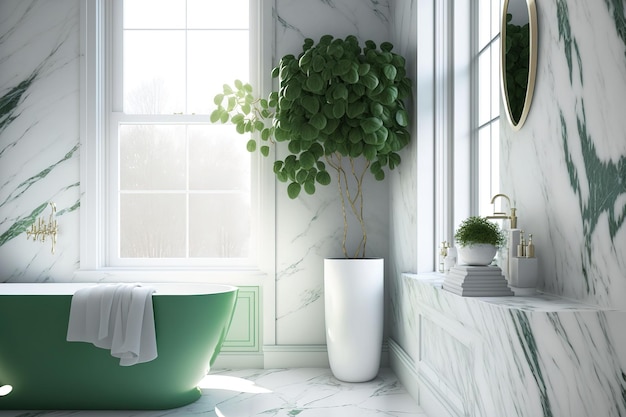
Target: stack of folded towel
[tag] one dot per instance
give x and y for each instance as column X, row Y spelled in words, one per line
column 118, row 317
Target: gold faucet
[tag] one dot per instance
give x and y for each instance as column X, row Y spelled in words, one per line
column 502, row 215
column 40, row 230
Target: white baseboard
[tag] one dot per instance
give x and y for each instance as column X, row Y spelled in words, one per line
column 295, row 356
column 419, row 384
column 405, row 369
column 230, row 360
column 283, row 356
column 305, row 356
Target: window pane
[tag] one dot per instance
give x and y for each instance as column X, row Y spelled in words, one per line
column 496, row 15
column 213, row 62
column 495, row 156
column 154, row 14
column 152, row 226
column 219, row 225
column 484, row 23
column 484, row 169
column 231, row 14
column 495, row 79
column 152, row 157
column 184, row 188
column 484, row 87
column 218, row 159
column 154, row 72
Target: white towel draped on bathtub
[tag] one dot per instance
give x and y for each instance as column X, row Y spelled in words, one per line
column 118, row 317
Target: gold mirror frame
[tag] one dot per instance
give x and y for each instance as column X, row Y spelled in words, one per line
column 532, row 64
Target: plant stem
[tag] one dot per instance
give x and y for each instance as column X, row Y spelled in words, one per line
column 354, row 199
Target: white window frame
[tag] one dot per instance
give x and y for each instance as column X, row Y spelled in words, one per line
column 453, row 183
column 96, row 103
column 447, row 85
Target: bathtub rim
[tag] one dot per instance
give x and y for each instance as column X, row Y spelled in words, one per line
column 69, row 288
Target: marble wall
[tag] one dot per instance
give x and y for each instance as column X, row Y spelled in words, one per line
column 561, row 354
column 39, row 154
column 566, row 168
column 39, row 135
column 310, row 228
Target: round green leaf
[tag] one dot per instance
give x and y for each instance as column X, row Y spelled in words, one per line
column 292, row 91
column 371, row 124
column 356, row 109
column 281, row 135
column 318, row 63
column 216, row 115
column 364, row 68
column 339, row 109
column 402, row 117
column 294, row 146
column 293, row 190
column 309, row 187
column 394, row 160
column 301, row 176
column 390, row 72
column 318, row 121
column 314, row 83
column 388, row 95
column 376, row 109
column 238, row 118
column 311, row 104
column 308, row 132
column 355, row 135
column 323, row 177
column 369, row 151
column 370, row 80
column 351, row 77
column 340, row 92
column 307, row 160
column 251, row 145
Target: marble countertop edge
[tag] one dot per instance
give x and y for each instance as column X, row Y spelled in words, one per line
column 539, row 302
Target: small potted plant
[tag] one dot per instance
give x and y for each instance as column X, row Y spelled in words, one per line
column 478, row 240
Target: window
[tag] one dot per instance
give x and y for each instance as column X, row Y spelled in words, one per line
column 163, row 186
column 487, row 102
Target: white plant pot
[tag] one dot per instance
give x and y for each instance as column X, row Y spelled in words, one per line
column 477, row 254
column 354, row 298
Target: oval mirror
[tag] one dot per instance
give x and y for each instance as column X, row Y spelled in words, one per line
column 518, row 58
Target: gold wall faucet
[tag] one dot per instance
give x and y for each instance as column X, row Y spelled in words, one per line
column 40, row 229
column 502, row 215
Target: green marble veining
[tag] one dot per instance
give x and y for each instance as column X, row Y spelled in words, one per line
column 565, row 34
column 523, row 329
column 22, row 224
column 616, row 9
column 25, row 185
column 605, row 180
column 10, row 101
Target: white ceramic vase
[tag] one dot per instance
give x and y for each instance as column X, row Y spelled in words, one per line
column 477, row 254
column 354, row 298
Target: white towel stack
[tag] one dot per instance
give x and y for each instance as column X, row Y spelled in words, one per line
column 118, row 317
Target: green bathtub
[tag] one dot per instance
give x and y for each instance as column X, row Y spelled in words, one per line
column 49, row 373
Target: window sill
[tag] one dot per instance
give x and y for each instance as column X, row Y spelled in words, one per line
column 169, row 274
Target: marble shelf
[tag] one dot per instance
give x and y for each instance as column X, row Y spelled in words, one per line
column 515, row 356
column 537, row 302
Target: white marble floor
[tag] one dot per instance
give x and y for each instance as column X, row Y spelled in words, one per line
column 302, row 392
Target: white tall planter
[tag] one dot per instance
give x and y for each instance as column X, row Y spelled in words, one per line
column 354, row 298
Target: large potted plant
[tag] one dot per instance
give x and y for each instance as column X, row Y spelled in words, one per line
column 478, row 240
column 339, row 109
